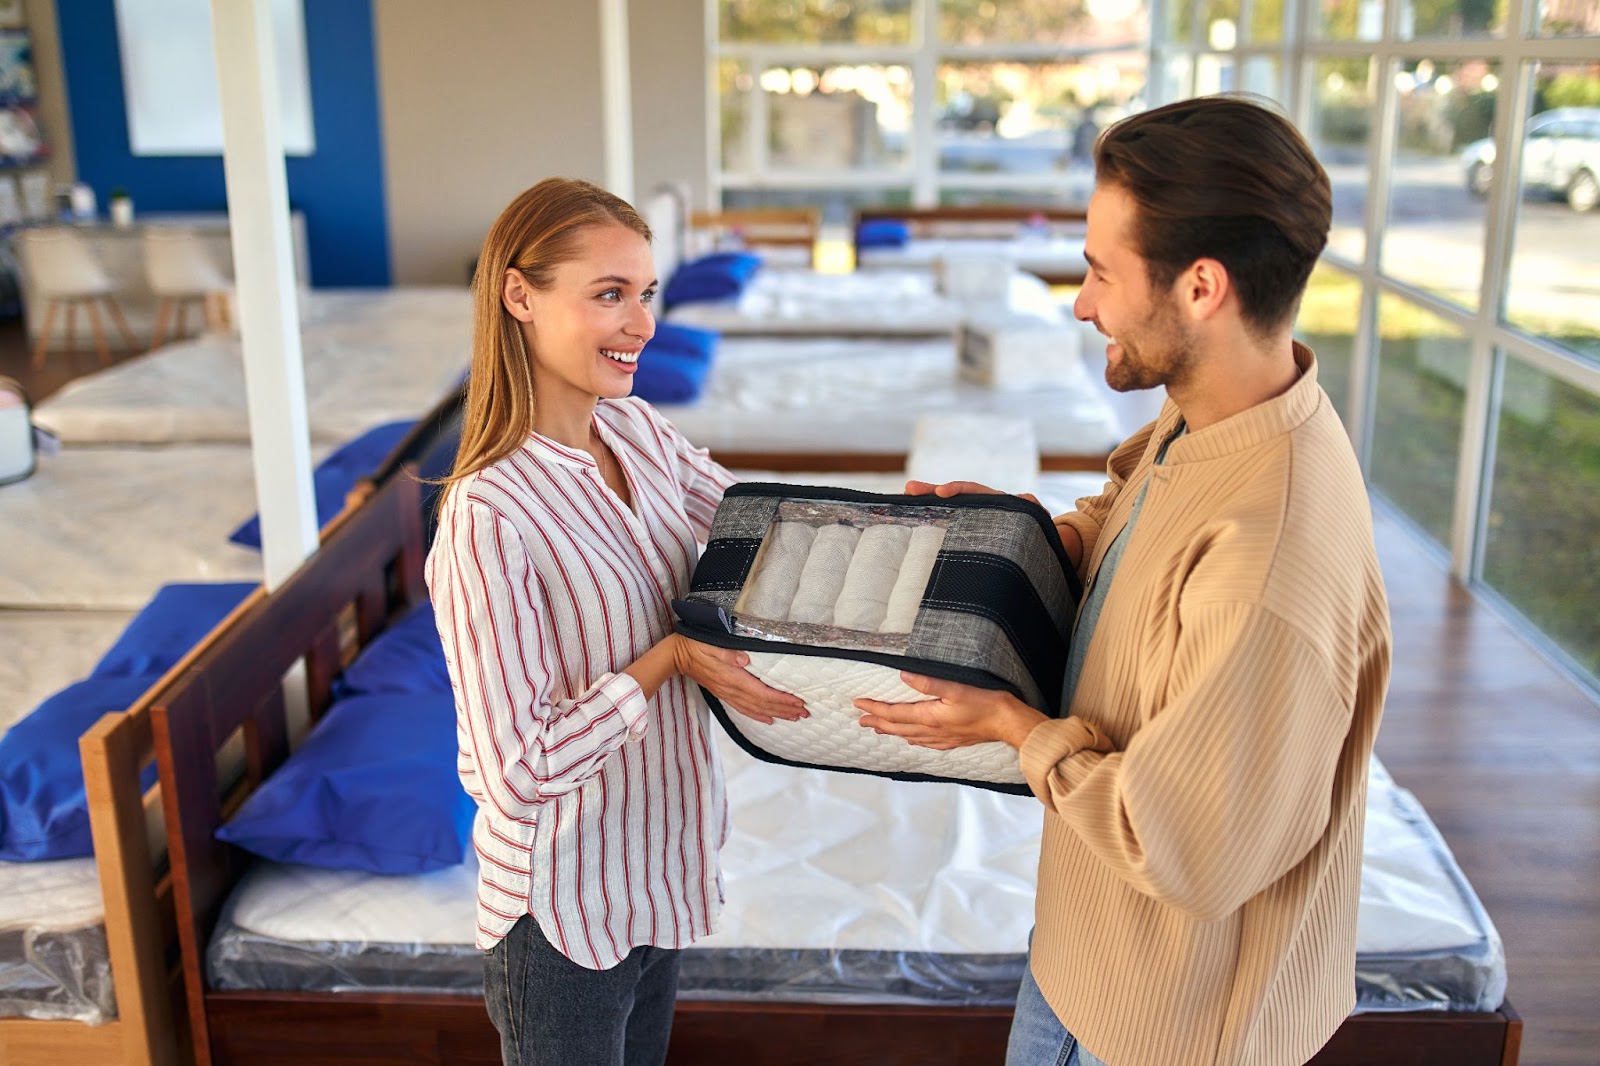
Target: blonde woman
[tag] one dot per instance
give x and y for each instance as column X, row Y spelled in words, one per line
column 569, row 524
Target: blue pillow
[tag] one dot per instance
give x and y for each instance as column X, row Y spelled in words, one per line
column 669, row 377
column 405, row 658
column 174, row 621
column 683, row 340
column 719, row 276
column 43, row 811
column 373, row 787
column 882, row 233
column 336, row 475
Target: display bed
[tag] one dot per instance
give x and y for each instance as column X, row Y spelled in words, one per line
column 373, row 562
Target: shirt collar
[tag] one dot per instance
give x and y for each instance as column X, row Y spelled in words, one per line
column 1249, row 427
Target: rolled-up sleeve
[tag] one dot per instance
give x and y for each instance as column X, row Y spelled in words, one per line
column 522, row 741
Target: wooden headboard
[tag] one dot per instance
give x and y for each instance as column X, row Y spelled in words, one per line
column 367, row 572
column 977, row 220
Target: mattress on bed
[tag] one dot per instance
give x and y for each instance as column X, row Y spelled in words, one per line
column 103, row 528
column 1037, row 255
column 840, row 395
column 370, row 356
column 53, row 960
column 882, row 302
column 884, row 892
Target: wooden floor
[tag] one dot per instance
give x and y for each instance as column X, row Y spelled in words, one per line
column 1502, row 749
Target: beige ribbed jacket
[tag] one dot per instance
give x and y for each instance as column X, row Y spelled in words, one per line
column 1205, row 799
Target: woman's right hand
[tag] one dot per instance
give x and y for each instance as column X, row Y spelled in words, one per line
column 721, row 672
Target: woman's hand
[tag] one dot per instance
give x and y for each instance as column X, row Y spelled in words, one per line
column 721, row 672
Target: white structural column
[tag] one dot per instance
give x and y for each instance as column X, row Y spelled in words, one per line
column 616, row 89
column 263, row 267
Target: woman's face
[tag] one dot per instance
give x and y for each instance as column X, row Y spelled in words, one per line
column 586, row 331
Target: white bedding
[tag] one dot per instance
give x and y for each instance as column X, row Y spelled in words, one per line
column 842, row 861
column 370, row 356
column 897, row 302
column 1037, row 255
column 104, row 528
column 816, row 395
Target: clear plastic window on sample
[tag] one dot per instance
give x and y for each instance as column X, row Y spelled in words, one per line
column 846, row 575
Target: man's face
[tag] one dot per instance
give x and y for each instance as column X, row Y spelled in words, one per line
column 1151, row 344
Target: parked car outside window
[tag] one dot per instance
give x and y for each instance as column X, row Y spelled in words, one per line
column 1561, row 156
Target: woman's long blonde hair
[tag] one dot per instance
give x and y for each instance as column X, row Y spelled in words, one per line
column 534, row 234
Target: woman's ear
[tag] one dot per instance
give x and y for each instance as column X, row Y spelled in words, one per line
column 517, row 295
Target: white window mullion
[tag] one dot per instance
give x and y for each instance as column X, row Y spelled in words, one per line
column 1472, row 478
column 924, row 106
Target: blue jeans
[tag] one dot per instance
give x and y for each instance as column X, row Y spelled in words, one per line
column 552, row 1012
column 1037, row 1036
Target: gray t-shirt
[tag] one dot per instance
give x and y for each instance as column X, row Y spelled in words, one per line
column 1100, row 586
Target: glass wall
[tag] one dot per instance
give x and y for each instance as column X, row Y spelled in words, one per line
column 1456, row 315
column 960, row 100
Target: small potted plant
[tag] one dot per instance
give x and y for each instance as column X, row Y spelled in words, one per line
column 121, row 208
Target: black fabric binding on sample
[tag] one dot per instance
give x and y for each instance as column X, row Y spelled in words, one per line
column 725, row 564
column 996, row 588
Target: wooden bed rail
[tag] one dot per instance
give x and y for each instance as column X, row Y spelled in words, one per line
column 368, row 570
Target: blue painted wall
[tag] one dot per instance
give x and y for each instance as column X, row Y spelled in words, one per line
column 339, row 188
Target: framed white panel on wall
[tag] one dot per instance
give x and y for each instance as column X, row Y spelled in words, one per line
column 169, row 74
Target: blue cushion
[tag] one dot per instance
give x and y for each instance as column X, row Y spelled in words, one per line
column 373, row 787
column 174, row 621
column 406, row 657
column 43, row 811
column 669, row 377
column 719, row 276
column 689, row 341
column 882, row 233
column 336, row 475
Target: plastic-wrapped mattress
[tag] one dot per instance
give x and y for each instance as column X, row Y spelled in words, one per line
column 53, row 959
column 884, row 892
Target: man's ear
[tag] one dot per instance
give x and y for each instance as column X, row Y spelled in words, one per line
column 517, row 295
column 1204, row 288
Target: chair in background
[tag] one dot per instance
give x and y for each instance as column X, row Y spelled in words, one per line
column 180, row 272
column 63, row 270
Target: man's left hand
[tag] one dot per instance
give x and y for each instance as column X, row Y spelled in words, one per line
column 956, row 716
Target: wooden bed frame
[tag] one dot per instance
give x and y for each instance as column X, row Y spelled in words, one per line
column 952, row 220
column 368, row 571
column 758, row 227
column 150, row 1028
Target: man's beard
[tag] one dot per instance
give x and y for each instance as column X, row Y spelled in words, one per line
column 1159, row 351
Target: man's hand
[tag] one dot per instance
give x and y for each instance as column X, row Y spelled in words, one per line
column 957, row 716
column 957, row 488
column 721, row 671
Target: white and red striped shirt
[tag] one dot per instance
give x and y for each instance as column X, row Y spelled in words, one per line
column 545, row 586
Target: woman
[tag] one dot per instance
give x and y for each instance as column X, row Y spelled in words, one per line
column 569, row 524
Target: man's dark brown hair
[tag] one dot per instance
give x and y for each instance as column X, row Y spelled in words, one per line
column 1224, row 178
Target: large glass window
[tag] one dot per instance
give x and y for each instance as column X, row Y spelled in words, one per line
column 1329, row 316
column 1341, row 132
column 1554, row 286
column 815, row 21
column 1435, row 236
column 837, row 116
column 1423, row 363
column 1544, row 509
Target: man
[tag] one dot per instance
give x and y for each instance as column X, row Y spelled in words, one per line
column 1205, row 783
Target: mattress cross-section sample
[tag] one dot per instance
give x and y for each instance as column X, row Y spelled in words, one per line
column 833, row 593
